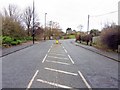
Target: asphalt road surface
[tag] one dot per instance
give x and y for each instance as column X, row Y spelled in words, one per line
column 50, row 65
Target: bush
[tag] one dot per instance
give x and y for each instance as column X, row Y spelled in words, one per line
column 19, row 41
column 10, row 41
column 110, row 36
column 66, row 37
column 14, row 43
column 7, row 40
column 29, row 38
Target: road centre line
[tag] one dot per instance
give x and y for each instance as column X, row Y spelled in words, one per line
column 71, row 59
column 31, row 81
column 83, row 78
column 58, row 57
column 46, row 54
column 44, row 58
column 48, row 50
column 54, row 84
column 62, row 46
column 68, row 55
column 57, row 62
column 65, row 50
column 51, row 45
column 60, row 71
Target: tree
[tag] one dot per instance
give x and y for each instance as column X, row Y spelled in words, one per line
column 12, row 28
column 53, row 30
column 13, row 12
column 11, row 25
column 27, row 18
column 95, row 32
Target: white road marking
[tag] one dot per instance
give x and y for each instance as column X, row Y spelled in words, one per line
column 68, row 55
column 86, row 83
column 65, row 50
column 51, row 45
column 44, row 58
column 58, row 57
column 48, row 50
column 30, row 83
column 58, row 54
column 46, row 54
column 54, row 84
column 58, row 62
column 71, row 59
column 61, row 71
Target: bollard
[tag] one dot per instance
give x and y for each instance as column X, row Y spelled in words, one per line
column 57, row 41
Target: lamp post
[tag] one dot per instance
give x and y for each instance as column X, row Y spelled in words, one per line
column 45, row 27
column 33, row 33
column 88, row 24
column 45, row 20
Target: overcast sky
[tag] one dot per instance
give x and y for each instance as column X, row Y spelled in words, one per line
column 71, row 13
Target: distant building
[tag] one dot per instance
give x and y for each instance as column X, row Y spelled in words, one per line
column 74, row 31
column 69, row 31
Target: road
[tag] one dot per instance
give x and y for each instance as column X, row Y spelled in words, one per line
column 49, row 65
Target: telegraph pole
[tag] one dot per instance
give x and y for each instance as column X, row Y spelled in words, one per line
column 88, row 24
column 33, row 33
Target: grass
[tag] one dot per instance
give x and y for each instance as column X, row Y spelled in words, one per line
column 70, row 37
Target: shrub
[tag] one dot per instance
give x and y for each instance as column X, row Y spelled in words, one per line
column 14, row 43
column 10, row 41
column 19, row 41
column 110, row 36
column 29, row 38
column 7, row 40
column 66, row 37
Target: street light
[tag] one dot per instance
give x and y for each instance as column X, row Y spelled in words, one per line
column 45, row 20
column 45, row 26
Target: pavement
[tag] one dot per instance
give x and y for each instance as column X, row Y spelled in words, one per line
column 111, row 55
column 7, row 51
